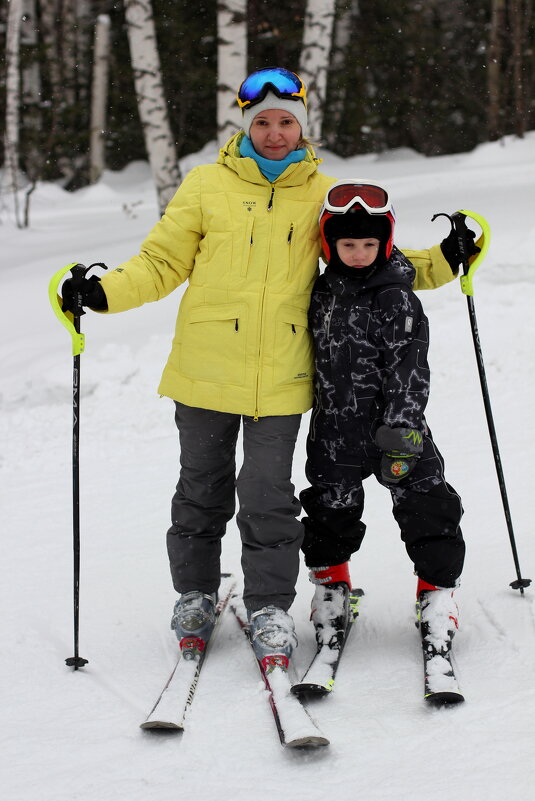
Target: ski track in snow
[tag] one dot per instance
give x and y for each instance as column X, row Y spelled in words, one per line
column 75, row 736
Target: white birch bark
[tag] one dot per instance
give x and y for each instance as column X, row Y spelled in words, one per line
column 11, row 136
column 152, row 107
column 231, row 64
column 99, row 97
column 315, row 55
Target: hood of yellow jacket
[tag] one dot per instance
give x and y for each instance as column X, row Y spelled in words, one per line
column 248, row 169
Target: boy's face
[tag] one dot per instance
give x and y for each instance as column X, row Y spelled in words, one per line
column 358, row 252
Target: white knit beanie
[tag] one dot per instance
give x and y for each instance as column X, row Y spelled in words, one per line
column 295, row 107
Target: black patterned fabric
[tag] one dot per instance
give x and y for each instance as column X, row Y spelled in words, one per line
column 371, row 339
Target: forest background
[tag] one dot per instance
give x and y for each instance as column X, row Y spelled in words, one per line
column 438, row 77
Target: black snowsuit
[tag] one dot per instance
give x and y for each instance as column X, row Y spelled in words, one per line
column 371, row 342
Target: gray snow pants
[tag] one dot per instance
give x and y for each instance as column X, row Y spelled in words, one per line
column 205, row 501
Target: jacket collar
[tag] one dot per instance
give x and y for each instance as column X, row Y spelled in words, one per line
column 247, row 168
column 397, row 270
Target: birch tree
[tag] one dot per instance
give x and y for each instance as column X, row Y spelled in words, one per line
column 11, row 136
column 99, row 97
column 231, row 64
column 315, row 55
column 152, row 106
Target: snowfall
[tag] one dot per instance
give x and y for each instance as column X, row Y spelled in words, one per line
column 75, row 735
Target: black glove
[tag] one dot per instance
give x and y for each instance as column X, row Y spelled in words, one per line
column 401, row 450
column 450, row 249
column 90, row 289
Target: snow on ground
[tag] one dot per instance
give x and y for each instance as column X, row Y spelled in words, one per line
column 75, row 736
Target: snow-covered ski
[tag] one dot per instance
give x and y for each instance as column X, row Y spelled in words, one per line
column 440, row 683
column 294, row 724
column 319, row 677
column 170, row 709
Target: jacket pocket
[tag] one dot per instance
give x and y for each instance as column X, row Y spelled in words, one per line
column 293, row 358
column 214, row 344
column 292, row 237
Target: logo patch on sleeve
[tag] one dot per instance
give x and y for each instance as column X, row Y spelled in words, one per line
column 408, row 324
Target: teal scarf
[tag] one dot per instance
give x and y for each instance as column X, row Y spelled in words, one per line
column 270, row 169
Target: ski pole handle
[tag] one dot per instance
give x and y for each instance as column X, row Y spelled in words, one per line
column 71, row 320
column 470, row 263
column 66, row 318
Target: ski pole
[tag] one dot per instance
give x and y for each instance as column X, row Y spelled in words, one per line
column 470, row 265
column 71, row 321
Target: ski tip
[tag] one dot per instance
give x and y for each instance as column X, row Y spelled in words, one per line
column 310, row 690
column 160, row 725
column 309, row 741
column 445, row 698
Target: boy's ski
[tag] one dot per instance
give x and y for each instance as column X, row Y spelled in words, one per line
column 440, row 685
column 294, row 725
column 170, row 709
column 331, row 639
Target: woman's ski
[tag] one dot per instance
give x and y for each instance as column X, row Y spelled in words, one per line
column 294, row 724
column 170, row 709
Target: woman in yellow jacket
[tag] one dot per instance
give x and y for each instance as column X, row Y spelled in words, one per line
column 244, row 233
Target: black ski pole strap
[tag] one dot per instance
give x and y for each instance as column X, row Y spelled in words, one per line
column 458, row 221
column 79, row 272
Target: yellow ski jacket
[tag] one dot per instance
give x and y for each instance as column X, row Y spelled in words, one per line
column 249, row 249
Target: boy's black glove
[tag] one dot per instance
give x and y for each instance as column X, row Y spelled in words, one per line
column 401, row 450
column 450, row 249
column 91, row 291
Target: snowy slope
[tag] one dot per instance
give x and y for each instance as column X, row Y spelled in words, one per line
column 73, row 735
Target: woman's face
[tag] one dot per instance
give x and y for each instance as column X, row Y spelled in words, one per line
column 275, row 133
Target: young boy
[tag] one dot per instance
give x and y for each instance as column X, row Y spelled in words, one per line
column 372, row 386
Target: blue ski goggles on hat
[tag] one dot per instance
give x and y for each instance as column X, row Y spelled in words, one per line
column 281, row 82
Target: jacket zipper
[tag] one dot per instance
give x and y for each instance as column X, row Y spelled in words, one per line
column 290, row 252
column 329, row 318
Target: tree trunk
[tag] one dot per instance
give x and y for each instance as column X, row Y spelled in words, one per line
column 342, row 32
column 31, row 93
column 314, row 62
column 11, row 136
column 518, row 25
column 84, row 26
column 494, row 68
column 68, row 50
column 49, row 17
column 152, row 106
column 99, row 98
column 231, row 64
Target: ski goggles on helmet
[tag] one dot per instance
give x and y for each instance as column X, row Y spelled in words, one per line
column 281, row 82
column 343, row 195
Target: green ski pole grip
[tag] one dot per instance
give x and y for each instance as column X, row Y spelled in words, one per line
column 65, row 318
column 483, row 243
